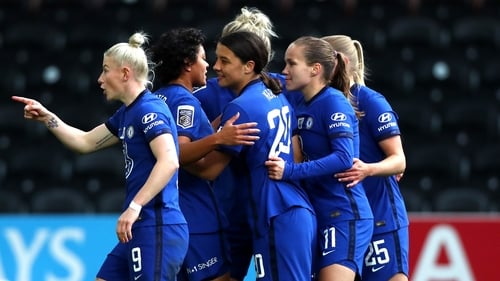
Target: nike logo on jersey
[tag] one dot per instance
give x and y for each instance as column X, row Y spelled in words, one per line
column 138, row 276
column 375, row 269
column 327, row 252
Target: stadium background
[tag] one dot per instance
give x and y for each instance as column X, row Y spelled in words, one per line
column 435, row 60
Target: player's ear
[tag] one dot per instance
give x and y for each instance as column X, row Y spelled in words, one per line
column 316, row 68
column 249, row 66
column 125, row 73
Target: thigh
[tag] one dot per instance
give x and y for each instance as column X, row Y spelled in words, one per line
column 387, row 255
column 276, row 254
column 206, row 258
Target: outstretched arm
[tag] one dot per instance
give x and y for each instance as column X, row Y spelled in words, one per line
column 73, row 138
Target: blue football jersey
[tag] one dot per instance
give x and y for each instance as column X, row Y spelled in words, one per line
column 213, row 98
column 197, row 199
column 275, row 119
column 328, row 129
column 136, row 125
column 379, row 123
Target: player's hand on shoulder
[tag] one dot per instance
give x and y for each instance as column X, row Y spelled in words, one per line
column 240, row 134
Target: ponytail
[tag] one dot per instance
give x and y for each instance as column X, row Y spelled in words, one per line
column 273, row 84
column 340, row 80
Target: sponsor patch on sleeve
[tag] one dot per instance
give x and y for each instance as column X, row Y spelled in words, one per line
column 185, row 116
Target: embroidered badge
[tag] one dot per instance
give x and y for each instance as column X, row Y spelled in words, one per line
column 185, row 116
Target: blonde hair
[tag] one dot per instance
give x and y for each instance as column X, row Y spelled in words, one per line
column 353, row 50
column 255, row 21
column 133, row 55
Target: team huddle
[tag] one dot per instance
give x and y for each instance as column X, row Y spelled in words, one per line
column 297, row 170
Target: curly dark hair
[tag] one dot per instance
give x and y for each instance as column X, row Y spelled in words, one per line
column 175, row 49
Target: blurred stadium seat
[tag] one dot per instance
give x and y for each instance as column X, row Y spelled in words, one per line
column 11, row 118
column 423, row 33
column 34, row 35
column 414, row 200
column 12, row 201
column 111, row 201
column 476, row 117
column 372, row 36
column 478, row 38
column 33, row 167
column 99, row 171
column 84, row 35
column 433, row 167
column 13, row 81
column 490, row 76
column 461, row 199
column 477, row 31
column 416, row 117
column 61, row 199
column 485, row 165
column 390, row 75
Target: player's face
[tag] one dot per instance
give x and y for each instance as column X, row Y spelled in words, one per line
column 199, row 68
column 110, row 78
column 229, row 68
column 297, row 72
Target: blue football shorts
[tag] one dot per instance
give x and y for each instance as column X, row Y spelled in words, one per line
column 154, row 253
column 286, row 252
column 345, row 243
column 207, row 257
column 387, row 255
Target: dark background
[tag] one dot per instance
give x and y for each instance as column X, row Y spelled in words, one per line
column 436, row 61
